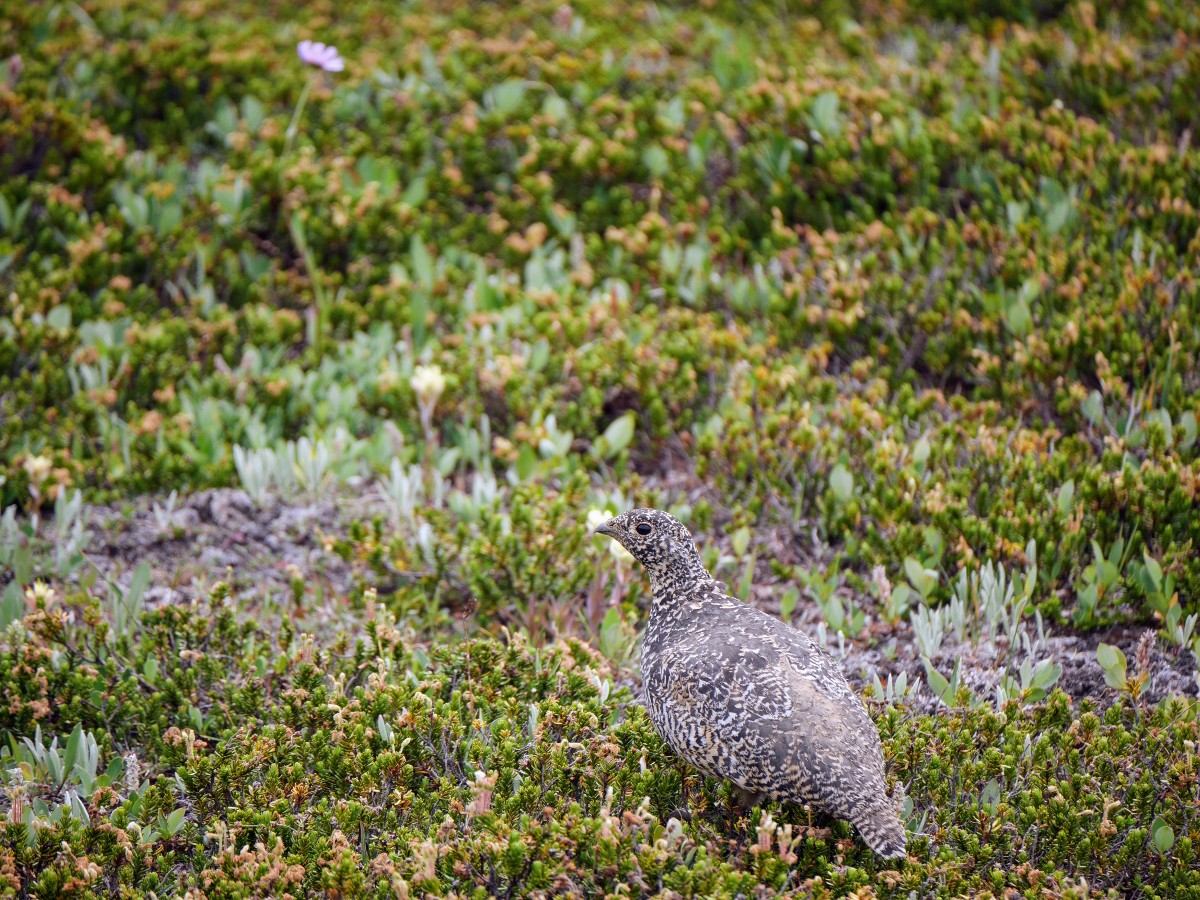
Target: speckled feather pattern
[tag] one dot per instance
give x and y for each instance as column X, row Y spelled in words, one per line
column 741, row 695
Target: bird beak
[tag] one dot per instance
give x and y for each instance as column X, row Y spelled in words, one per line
column 607, row 528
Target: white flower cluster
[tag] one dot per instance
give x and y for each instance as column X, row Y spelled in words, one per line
column 596, row 518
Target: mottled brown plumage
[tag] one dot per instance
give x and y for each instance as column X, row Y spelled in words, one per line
column 741, row 695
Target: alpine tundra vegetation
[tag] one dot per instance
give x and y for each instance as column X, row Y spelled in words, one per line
column 330, row 332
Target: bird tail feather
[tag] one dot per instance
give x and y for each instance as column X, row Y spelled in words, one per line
column 884, row 832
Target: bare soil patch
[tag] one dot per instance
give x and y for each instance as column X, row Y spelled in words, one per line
column 220, row 535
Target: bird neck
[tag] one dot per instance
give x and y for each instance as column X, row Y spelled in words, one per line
column 683, row 580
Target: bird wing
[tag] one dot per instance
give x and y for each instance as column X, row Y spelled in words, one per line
column 748, row 643
column 749, row 712
column 774, row 675
column 746, row 665
column 745, row 681
column 708, row 698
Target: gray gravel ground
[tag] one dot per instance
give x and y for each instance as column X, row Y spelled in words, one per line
column 221, row 535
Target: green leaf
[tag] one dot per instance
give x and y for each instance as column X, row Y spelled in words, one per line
column 253, row 113
column 71, row 753
column 1045, row 676
column 835, row 613
column 422, row 262
column 55, row 767
column 225, row 118
column 296, row 227
column 539, row 356
column 22, row 564
column 1190, row 428
column 747, row 579
column 825, row 117
column 1066, row 495
column 526, row 462
column 989, row 797
column 656, row 160
column 1164, row 836
column 416, row 193
column 59, row 318
column 446, row 461
column 938, row 683
column 1093, row 408
column 170, row 217
column 1107, row 573
column 505, row 97
column 921, row 453
column 555, row 108
column 1015, row 212
column 901, row 598
column 1086, row 602
column 788, row 602
column 740, row 540
column 78, row 808
column 418, row 315
column 1018, row 317
column 12, row 605
column 116, row 769
column 919, row 577
column 1153, row 568
column 1112, row 661
column 612, row 633
column 674, row 114
column 1057, row 206
column 841, row 482
column 136, row 209
column 618, row 435
column 255, row 265
column 137, row 586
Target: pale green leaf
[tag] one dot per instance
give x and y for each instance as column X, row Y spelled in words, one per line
column 1066, row 495
column 1112, row 661
column 841, row 482
column 618, row 435
column 1164, row 838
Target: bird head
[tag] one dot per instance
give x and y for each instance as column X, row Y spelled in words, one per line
column 656, row 539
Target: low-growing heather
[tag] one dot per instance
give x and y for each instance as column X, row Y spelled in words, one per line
column 201, row 751
column 881, row 274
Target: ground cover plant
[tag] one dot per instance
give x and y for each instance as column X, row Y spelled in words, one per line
column 317, row 368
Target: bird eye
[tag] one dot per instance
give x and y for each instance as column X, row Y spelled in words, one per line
column 643, row 528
